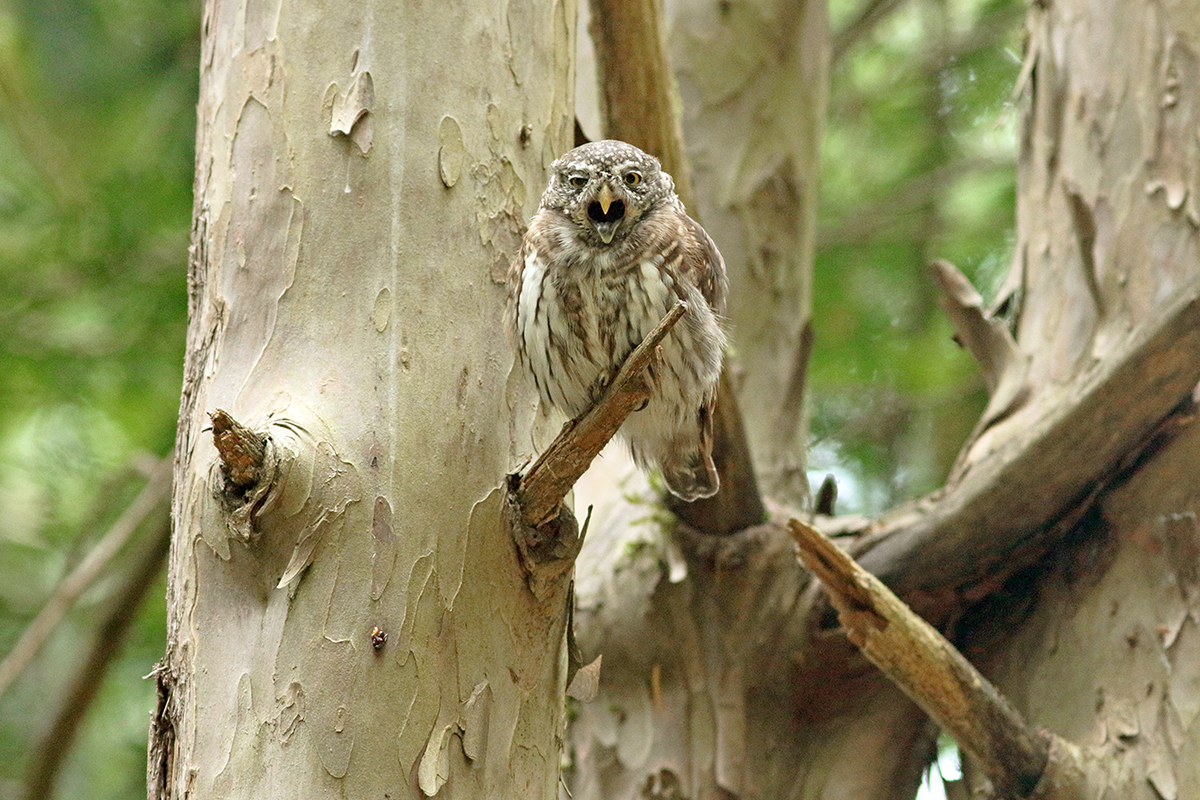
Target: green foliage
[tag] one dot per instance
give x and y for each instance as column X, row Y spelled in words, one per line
column 918, row 163
column 97, row 120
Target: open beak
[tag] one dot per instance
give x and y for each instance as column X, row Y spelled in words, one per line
column 606, row 212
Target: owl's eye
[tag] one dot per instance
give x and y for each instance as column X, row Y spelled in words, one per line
column 633, row 178
column 578, row 181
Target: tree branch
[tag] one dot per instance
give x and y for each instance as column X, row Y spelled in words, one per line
column 1003, row 366
column 89, row 674
column 1026, row 473
column 72, row 586
column 1019, row 760
column 546, row 483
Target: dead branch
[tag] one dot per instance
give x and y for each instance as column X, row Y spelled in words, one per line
column 1003, row 366
column 242, row 450
column 546, row 483
column 72, row 586
column 988, row 340
column 927, row 668
column 639, row 105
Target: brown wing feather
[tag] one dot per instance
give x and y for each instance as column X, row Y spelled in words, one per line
column 703, row 264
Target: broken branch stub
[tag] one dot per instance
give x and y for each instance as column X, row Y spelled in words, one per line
column 242, row 450
column 930, row 670
column 542, row 488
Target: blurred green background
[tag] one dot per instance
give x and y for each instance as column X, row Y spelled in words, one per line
column 97, row 118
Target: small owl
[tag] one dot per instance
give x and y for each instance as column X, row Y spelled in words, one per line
column 609, row 252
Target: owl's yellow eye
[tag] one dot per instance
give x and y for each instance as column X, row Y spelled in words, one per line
column 633, row 178
column 578, row 181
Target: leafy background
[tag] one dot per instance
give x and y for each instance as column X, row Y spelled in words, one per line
column 97, row 118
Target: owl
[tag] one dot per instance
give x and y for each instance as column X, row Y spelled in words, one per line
column 607, row 255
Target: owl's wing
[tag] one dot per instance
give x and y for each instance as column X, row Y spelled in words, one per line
column 702, row 264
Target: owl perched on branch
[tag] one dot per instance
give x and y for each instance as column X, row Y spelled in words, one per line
column 609, row 252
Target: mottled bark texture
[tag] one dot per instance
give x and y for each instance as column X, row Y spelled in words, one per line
column 1107, row 650
column 364, row 629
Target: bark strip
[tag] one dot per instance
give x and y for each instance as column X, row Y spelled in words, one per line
column 639, row 106
column 928, row 668
column 547, row 482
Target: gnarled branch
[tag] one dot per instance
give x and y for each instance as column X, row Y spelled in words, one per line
column 927, row 668
column 1021, row 761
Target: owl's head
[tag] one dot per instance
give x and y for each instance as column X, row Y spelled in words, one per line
column 605, row 187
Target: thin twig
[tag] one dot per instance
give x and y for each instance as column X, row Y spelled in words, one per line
column 928, row 668
column 547, row 482
column 71, row 587
column 89, row 674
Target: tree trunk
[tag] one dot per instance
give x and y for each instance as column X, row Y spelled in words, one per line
column 347, row 616
column 1107, row 652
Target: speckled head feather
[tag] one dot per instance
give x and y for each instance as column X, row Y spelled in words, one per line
column 634, row 180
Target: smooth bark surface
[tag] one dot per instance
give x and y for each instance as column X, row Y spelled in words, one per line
column 364, row 629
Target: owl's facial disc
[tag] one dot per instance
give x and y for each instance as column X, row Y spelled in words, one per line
column 606, row 213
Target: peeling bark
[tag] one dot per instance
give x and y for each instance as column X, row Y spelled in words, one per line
column 347, row 614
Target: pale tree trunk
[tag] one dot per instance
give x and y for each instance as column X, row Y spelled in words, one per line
column 349, row 618
column 1108, row 655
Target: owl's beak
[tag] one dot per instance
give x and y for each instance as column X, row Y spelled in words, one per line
column 605, row 197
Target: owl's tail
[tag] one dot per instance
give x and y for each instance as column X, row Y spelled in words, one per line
column 689, row 471
column 691, row 476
